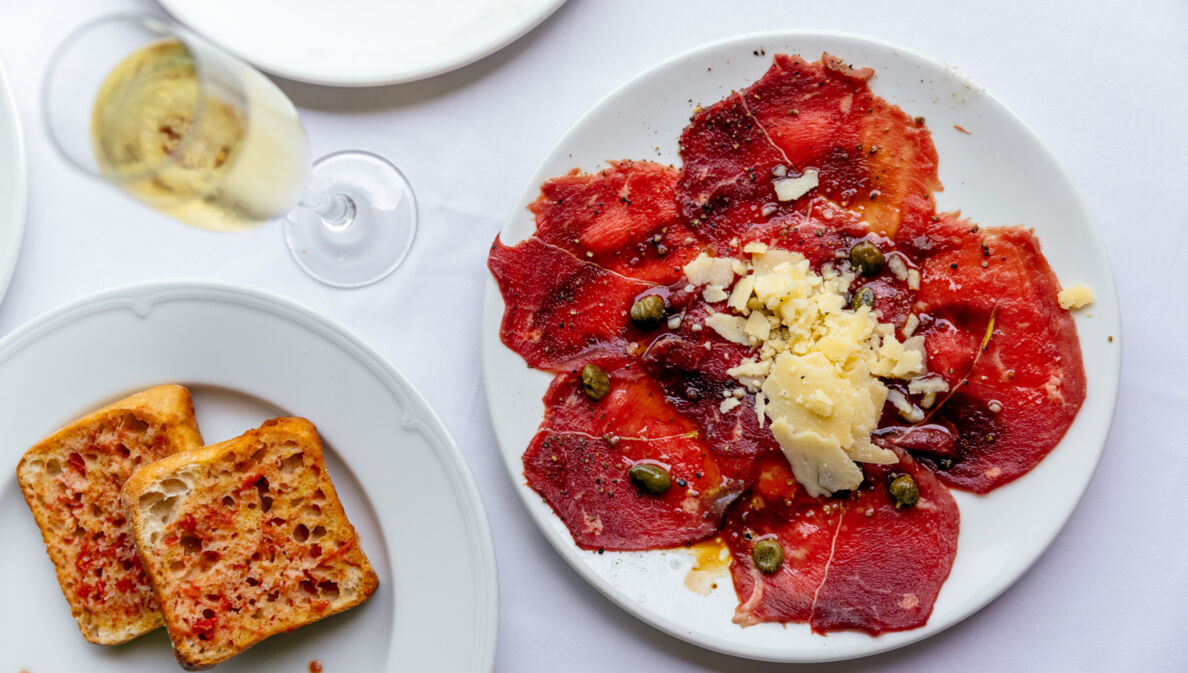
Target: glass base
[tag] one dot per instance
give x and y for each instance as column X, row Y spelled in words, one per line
column 374, row 240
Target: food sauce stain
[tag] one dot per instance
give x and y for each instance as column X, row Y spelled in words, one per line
column 711, row 563
column 315, row 666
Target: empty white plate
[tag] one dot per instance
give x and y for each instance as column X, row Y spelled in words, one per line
column 13, row 183
column 361, row 42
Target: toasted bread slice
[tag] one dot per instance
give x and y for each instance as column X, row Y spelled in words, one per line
column 72, row 481
column 245, row 539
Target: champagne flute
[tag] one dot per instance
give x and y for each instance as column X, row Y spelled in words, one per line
column 197, row 134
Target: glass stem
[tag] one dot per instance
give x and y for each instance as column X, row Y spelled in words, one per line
column 336, row 210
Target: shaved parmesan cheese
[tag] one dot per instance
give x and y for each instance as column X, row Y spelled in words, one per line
column 913, row 279
column 706, row 270
column 907, row 411
column 1075, row 296
column 728, row 404
column 910, row 325
column 929, row 384
column 729, row 327
column 790, row 189
column 714, row 294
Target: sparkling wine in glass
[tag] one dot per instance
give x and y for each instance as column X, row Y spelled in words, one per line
column 197, row 134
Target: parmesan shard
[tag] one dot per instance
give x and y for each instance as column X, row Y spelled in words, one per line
column 790, row 189
column 1074, row 297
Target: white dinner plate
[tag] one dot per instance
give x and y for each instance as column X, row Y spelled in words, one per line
column 361, row 42
column 13, row 183
column 998, row 174
column 246, row 357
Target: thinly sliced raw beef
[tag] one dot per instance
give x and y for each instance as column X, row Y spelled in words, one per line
column 725, row 186
column 871, row 157
column 695, row 381
column 1013, row 406
column 851, row 562
column 560, row 311
column 579, row 460
column 623, row 219
column 818, row 231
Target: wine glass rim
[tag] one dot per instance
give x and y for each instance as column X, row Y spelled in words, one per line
column 167, row 29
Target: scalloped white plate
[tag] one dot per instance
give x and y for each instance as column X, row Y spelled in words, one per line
column 999, row 174
column 248, row 356
column 13, row 183
column 361, row 42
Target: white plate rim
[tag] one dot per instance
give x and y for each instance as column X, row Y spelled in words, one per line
column 419, row 414
column 1105, row 383
column 459, row 59
column 12, row 222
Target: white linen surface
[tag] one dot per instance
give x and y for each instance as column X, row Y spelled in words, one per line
column 1103, row 83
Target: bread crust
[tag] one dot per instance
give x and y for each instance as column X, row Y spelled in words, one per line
column 71, row 480
column 245, row 539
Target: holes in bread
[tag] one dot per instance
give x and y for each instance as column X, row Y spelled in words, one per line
column 259, row 455
column 173, row 487
column 318, row 532
column 311, row 512
column 122, row 450
column 53, row 468
column 158, row 508
column 272, row 596
column 265, row 504
column 319, row 495
column 308, row 587
column 258, row 614
column 315, row 550
column 328, row 589
column 208, row 560
column 96, row 510
column 130, row 423
column 191, row 543
column 177, row 567
column 252, row 582
column 292, row 463
column 208, row 613
column 228, row 501
column 301, row 533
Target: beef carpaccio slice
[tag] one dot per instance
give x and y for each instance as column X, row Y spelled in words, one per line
column 578, row 461
column 690, row 364
column 852, row 561
column 1012, row 406
column 559, row 310
column 871, row 157
column 623, row 218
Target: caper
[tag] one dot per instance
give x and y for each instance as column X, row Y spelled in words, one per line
column 595, row 382
column 650, row 477
column 647, row 311
column 866, row 258
column 904, row 491
column 863, row 297
column 768, row 555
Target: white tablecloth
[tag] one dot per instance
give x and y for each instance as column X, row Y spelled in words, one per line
column 1102, row 82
